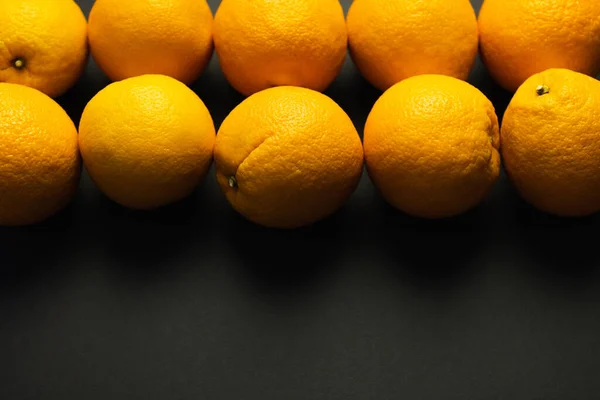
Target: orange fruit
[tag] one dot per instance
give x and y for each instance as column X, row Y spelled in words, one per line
column 43, row 44
column 287, row 157
column 266, row 43
column 146, row 141
column 431, row 146
column 520, row 38
column 39, row 159
column 168, row 37
column 550, row 143
column 391, row 40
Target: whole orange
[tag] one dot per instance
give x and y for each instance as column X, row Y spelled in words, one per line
column 550, row 144
column 287, row 157
column 146, row 141
column 43, row 44
column 431, row 146
column 391, row 40
column 168, row 37
column 39, row 159
column 520, row 38
column 266, row 43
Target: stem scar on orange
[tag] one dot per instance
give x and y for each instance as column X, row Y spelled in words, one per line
column 43, row 44
column 550, row 144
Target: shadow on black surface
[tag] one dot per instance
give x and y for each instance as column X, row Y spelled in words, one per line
column 481, row 79
column 144, row 243
column 36, row 253
column 563, row 251
column 91, row 82
column 284, row 262
column 216, row 93
column 431, row 254
column 354, row 94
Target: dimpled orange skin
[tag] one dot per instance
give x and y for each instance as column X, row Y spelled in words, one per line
column 292, row 156
column 267, row 43
column 50, row 40
column 168, row 37
column 431, row 146
column 520, row 38
column 146, row 141
column 550, row 143
column 39, row 158
column 391, row 40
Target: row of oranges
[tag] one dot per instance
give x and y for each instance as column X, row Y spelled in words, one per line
column 263, row 43
column 289, row 156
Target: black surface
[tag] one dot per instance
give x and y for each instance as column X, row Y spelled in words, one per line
column 193, row 302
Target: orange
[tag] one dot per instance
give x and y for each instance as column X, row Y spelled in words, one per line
column 391, row 40
column 138, row 37
column 146, row 141
column 287, row 157
column 266, row 43
column 550, row 142
column 431, row 146
column 520, row 38
column 43, row 44
column 39, row 159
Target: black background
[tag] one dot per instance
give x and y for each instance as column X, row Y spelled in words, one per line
column 193, row 302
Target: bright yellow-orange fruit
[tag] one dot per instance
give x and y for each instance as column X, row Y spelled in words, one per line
column 266, row 43
column 43, row 44
column 550, row 142
column 146, row 141
column 391, row 40
column 520, row 38
column 39, row 158
column 138, row 37
column 287, row 157
column 431, row 146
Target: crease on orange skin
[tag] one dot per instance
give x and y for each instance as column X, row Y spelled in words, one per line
column 276, row 163
column 232, row 192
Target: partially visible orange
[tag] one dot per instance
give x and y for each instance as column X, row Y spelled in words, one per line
column 287, row 157
column 391, row 40
column 266, row 43
column 431, row 146
column 550, row 142
column 43, row 44
column 146, row 141
column 520, row 38
column 138, row 37
column 39, row 157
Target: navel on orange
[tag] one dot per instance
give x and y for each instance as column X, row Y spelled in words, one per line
column 287, row 157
